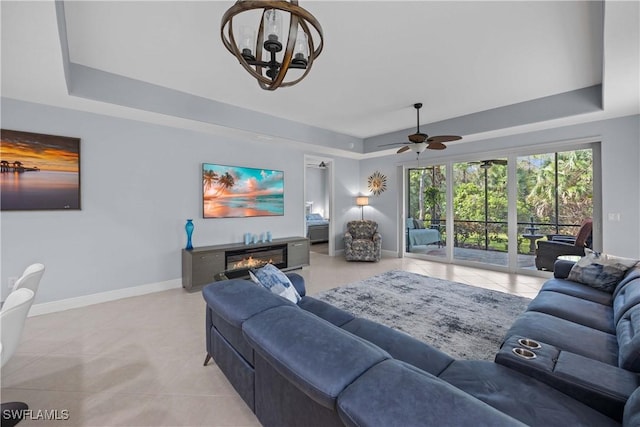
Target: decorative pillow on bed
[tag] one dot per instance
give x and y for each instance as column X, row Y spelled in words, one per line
column 418, row 224
column 410, row 223
column 600, row 271
column 276, row 281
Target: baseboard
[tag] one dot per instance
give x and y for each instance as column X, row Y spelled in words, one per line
column 85, row 300
column 390, row 254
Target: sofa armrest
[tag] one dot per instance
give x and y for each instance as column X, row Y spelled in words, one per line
column 318, row 358
column 562, row 268
column 411, row 397
column 298, row 282
column 348, row 238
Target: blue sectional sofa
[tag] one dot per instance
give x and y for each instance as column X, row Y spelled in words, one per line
column 312, row 364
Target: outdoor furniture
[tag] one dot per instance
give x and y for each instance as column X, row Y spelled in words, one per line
column 417, row 236
column 549, row 250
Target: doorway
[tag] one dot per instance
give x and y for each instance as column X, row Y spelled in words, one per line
column 318, row 204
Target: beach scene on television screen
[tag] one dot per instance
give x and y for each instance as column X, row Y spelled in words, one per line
column 39, row 171
column 233, row 191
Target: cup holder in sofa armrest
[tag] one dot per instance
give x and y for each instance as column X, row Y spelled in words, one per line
column 527, row 356
column 599, row 385
column 529, row 343
column 523, row 353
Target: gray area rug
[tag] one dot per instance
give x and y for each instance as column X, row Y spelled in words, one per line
column 464, row 321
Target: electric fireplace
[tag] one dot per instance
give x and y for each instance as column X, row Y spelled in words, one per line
column 238, row 262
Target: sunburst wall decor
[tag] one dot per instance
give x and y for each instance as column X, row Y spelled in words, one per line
column 377, row 183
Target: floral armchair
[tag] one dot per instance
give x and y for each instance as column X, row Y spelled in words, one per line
column 362, row 242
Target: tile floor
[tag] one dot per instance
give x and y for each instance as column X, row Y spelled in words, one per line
column 138, row 361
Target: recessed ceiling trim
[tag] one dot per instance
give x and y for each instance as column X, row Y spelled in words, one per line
column 91, row 83
column 573, row 103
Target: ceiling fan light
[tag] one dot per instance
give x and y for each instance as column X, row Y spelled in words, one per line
column 419, row 147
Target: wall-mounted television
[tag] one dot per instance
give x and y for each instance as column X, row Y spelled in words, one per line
column 236, row 191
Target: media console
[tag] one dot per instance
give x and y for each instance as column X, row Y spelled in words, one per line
column 200, row 266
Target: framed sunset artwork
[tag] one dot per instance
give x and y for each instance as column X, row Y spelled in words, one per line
column 39, row 172
column 235, row 191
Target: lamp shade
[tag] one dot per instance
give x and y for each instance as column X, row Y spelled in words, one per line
column 362, row 201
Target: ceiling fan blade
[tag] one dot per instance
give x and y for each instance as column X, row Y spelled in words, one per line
column 444, row 138
column 403, row 149
column 499, row 162
column 393, row 143
column 436, row 146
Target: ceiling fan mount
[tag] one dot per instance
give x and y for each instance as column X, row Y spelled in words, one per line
column 420, row 141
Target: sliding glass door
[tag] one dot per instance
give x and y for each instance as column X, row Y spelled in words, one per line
column 499, row 207
column 425, row 222
column 555, row 195
column 480, row 211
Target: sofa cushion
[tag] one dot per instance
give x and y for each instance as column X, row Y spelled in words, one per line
column 326, row 311
column 520, row 396
column 276, row 281
column 631, row 275
column 236, row 300
column 400, row 346
column 628, row 330
column 574, row 309
column 577, row 290
column 319, row 358
column 600, row 270
column 566, row 335
column 298, row 283
column 632, row 410
column 627, row 297
column 395, row 394
column 410, row 223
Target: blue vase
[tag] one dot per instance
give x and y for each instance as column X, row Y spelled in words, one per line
column 189, row 229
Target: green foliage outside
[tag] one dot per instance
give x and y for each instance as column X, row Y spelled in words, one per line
column 475, row 209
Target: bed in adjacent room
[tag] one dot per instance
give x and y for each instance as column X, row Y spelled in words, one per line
column 317, row 228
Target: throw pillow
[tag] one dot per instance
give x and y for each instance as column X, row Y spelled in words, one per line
column 253, row 278
column 418, row 224
column 410, row 223
column 277, row 282
column 600, row 271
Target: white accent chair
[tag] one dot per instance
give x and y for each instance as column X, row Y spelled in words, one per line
column 12, row 319
column 30, row 278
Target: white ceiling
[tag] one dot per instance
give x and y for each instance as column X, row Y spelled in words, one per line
column 380, row 57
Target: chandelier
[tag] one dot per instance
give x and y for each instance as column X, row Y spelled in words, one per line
column 268, row 57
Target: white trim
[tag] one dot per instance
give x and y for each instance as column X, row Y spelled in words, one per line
column 85, row 300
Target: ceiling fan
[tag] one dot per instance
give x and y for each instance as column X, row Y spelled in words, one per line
column 486, row 164
column 419, row 141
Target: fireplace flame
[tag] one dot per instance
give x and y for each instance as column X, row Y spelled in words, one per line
column 251, row 263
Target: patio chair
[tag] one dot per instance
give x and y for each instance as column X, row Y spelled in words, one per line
column 558, row 244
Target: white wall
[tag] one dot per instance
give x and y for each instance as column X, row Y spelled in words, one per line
column 140, row 182
column 620, row 146
column 317, row 191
